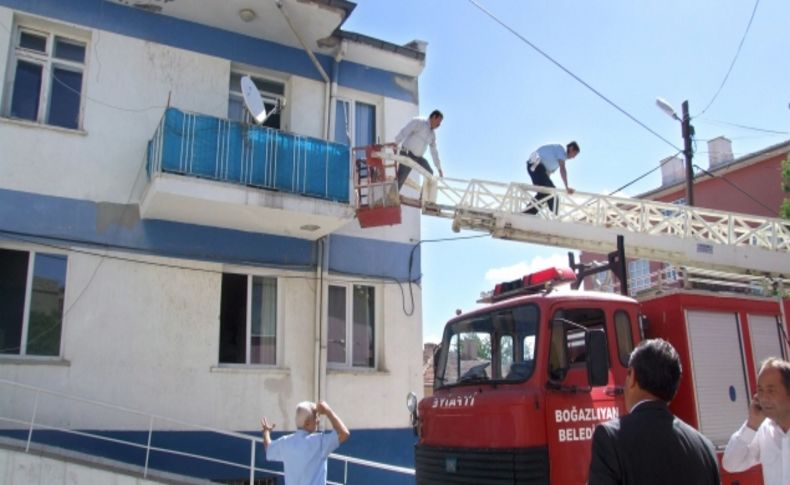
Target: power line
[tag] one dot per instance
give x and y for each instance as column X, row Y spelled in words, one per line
column 735, row 58
column 667, row 160
column 574, row 76
column 745, row 127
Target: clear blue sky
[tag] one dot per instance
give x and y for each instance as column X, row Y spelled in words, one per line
column 501, row 100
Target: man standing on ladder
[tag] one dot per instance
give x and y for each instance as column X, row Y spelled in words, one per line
column 414, row 138
column 543, row 162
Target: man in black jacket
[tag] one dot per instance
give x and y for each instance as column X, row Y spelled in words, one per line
column 650, row 445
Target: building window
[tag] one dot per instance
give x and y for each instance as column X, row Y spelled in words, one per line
column 355, row 120
column 352, row 326
column 248, row 320
column 32, row 290
column 272, row 92
column 639, row 275
column 47, row 78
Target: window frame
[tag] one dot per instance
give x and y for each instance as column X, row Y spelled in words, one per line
column 348, row 364
column 267, row 96
column 48, row 63
column 351, row 102
column 23, row 346
column 279, row 323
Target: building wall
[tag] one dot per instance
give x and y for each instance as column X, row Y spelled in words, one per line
column 141, row 327
column 761, row 180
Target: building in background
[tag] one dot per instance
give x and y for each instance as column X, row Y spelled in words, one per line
column 750, row 184
column 160, row 252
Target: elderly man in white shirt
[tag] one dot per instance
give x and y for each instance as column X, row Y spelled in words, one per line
column 304, row 453
column 414, row 138
column 764, row 437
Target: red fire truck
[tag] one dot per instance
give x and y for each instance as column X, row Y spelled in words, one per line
column 520, row 384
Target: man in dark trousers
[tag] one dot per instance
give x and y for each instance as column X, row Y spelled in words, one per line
column 650, row 445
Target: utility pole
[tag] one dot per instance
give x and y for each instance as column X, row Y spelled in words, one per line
column 688, row 132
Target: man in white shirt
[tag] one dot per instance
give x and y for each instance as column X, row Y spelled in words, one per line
column 304, row 453
column 414, row 138
column 761, row 440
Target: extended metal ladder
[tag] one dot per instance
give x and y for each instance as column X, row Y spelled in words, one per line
column 657, row 231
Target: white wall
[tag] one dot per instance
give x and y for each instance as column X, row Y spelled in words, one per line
column 17, row 468
column 146, row 336
column 127, row 83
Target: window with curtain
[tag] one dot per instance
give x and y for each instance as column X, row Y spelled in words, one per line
column 355, row 123
column 351, row 326
column 248, row 320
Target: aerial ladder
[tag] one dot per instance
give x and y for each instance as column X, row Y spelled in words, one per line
column 657, row 231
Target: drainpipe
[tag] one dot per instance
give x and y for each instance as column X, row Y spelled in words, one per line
column 320, row 331
column 317, row 64
column 341, row 52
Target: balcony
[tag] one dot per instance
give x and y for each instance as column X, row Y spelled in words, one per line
column 215, row 172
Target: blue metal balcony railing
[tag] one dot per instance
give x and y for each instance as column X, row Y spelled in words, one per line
column 218, row 149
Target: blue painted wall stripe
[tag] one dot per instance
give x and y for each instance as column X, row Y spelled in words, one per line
column 196, row 37
column 390, row 446
column 64, row 221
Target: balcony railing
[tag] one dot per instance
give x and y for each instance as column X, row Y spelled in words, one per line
column 212, row 148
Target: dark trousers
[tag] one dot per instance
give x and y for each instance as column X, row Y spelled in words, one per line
column 540, row 177
column 403, row 170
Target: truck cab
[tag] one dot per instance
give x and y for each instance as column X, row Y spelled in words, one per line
column 520, row 384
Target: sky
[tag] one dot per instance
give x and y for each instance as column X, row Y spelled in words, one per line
column 502, row 99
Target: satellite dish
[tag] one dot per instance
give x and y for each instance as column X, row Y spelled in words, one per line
column 253, row 100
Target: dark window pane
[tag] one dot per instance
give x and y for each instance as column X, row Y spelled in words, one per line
column 364, row 325
column 64, row 105
column 29, row 40
column 27, row 87
column 273, row 121
column 365, row 124
column 264, row 321
column 269, row 87
column 46, row 304
column 69, row 50
column 13, row 279
column 233, row 319
column 337, row 324
column 235, row 82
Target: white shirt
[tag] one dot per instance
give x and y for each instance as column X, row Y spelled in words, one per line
column 416, row 136
column 304, row 456
column 769, row 445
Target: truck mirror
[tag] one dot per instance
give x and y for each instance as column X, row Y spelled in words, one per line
column 597, row 358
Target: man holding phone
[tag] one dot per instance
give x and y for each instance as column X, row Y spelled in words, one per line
column 764, row 437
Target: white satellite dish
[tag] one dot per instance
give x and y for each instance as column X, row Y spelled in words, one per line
column 253, row 100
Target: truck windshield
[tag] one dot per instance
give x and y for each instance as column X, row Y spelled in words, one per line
column 497, row 346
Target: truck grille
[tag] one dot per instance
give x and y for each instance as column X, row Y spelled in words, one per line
column 527, row 466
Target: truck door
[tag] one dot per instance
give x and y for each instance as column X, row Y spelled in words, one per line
column 718, row 372
column 573, row 408
column 766, row 338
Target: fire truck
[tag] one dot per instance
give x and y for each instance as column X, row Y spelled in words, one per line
column 521, row 383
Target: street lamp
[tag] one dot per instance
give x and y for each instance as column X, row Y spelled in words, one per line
column 688, row 132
